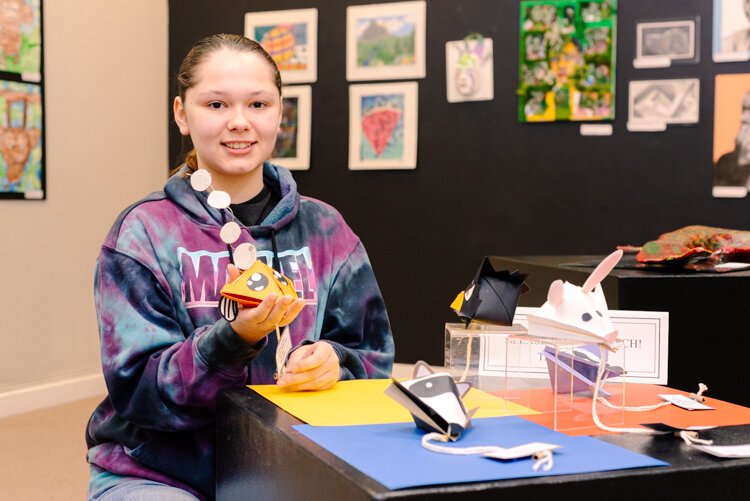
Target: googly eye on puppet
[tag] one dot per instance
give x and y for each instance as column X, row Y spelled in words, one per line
column 257, row 279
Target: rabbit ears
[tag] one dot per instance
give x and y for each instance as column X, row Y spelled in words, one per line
column 602, row 270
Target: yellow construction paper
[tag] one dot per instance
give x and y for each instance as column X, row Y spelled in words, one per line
column 362, row 401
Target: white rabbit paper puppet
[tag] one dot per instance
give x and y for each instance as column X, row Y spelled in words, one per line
column 574, row 313
column 434, row 401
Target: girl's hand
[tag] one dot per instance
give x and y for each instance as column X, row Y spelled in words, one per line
column 253, row 324
column 311, row 367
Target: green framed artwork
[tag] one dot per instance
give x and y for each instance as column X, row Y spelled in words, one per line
column 567, row 60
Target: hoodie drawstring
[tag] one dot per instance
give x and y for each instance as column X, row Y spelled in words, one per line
column 276, row 264
column 229, row 247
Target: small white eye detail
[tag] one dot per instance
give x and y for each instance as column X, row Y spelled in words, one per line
column 428, row 385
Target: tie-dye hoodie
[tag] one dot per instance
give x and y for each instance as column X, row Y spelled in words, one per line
column 166, row 351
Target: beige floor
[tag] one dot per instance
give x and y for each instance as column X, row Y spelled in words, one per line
column 43, row 453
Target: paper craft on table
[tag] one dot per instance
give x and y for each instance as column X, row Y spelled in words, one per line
column 391, row 453
column 492, row 296
column 362, row 401
column 574, row 371
column 434, row 401
column 577, row 314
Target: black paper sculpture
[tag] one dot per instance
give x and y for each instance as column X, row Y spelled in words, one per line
column 492, row 296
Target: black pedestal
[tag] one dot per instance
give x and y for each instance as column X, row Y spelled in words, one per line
column 260, row 456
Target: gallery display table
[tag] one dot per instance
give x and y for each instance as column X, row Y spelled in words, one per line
column 708, row 313
column 260, row 456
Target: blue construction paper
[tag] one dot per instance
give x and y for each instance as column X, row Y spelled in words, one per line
column 392, row 454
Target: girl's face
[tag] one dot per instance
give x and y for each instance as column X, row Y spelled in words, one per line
column 232, row 114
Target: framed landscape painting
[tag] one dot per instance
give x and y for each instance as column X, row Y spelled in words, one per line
column 385, row 41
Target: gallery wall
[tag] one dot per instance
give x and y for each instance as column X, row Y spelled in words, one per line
column 106, row 146
column 486, row 184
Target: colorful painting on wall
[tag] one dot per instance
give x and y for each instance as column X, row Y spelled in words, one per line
column 21, row 38
column 291, row 38
column 292, row 148
column 21, row 148
column 383, row 126
column 385, row 41
column 567, row 60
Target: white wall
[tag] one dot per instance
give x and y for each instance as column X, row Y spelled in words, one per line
column 106, row 139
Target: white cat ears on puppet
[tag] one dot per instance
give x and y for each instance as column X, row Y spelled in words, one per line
column 434, row 401
column 577, row 314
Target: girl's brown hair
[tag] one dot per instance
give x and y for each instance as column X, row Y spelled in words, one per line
column 200, row 51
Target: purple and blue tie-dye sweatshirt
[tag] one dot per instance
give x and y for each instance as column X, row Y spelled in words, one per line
column 166, row 351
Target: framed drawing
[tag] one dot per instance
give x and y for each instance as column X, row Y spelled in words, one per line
column 291, row 38
column 22, row 162
column 21, row 38
column 292, row 148
column 731, row 34
column 383, row 126
column 567, row 60
column 653, row 104
column 21, row 145
column 659, row 44
column 385, row 41
column 469, row 70
column 731, row 151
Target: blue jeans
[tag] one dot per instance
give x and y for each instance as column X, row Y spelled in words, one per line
column 105, row 486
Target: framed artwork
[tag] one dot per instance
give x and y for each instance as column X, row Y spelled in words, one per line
column 653, row 104
column 22, row 162
column 731, row 33
column 291, row 38
column 385, row 41
column 567, row 60
column 21, row 38
column 383, row 126
column 469, row 70
column 21, row 148
column 731, row 151
column 292, row 148
column 659, row 44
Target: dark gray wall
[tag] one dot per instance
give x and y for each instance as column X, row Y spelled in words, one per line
column 486, row 184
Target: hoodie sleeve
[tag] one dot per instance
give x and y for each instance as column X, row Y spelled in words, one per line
column 355, row 321
column 158, row 376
